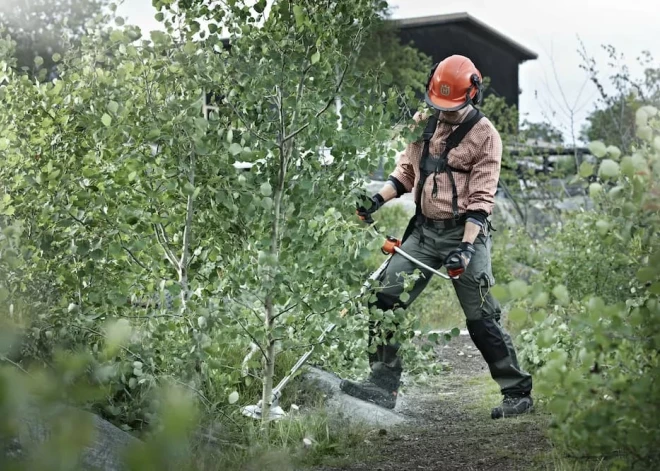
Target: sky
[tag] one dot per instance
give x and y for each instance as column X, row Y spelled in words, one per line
column 553, row 84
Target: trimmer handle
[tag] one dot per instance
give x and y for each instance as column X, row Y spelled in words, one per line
column 390, row 245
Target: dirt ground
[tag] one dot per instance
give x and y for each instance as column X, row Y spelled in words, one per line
column 451, row 428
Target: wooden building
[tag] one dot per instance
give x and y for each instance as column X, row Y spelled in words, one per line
column 494, row 54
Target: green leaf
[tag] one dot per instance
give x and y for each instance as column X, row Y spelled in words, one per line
column 646, row 274
column 645, row 133
column 267, row 203
column 39, row 61
column 602, row 226
column 266, row 189
column 627, row 166
column 57, row 88
column 655, row 288
column 518, row 289
column 595, row 189
column 106, row 120
column 517, row 315
column 117, row 36
column 233, row 397
column 260, row 6
column 614, row 152
column 298, row 14
column 541, row 299
column 598, row 149
column 455, row 332
column 160, row 16
column 4, row 143
column 586, row 169
column 608, row 169
column 315, row 57
column 113, row 106
column 405, row 296
column 561, row 294
column 190, row 47
column 596, row 304
column 500, row 292
column 4, row 294
column 538, row 316
column 57, row 57
column 188, row 189
column 235, row 148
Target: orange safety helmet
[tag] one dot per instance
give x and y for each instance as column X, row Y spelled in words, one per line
column 453, row 84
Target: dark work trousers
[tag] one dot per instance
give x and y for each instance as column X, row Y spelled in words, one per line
column 430, row 245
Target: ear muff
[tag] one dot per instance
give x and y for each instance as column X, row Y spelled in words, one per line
column 476, row 82
column 428, row 80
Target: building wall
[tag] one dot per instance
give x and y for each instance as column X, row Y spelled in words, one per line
column 491, row 57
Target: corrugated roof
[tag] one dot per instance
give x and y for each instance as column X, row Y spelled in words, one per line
column 405, row 23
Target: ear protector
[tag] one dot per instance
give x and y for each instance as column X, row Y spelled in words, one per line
column 476, row 83
column 428, row 80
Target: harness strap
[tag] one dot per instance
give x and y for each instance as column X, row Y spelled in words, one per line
column 442, row 165
column 429, row 131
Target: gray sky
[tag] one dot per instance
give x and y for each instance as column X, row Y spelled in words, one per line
column 549, row 28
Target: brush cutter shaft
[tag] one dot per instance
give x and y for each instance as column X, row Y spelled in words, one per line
column 420, row 264
column 303, row 359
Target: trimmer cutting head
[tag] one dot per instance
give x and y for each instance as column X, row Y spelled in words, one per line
column 254, row 412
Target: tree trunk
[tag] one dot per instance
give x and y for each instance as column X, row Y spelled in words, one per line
column 187, row 239
column 269, row 314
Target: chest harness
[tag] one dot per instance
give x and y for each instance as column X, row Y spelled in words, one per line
column 432, row 165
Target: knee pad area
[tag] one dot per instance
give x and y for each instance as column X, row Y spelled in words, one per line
column 487, row 337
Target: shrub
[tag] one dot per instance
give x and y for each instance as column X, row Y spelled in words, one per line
column 593, row 320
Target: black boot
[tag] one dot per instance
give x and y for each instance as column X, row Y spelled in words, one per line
column 379, row 388
column 512, row 406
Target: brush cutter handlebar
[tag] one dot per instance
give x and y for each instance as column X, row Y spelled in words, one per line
column 392, row 245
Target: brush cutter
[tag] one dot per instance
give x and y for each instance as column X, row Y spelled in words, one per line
column 390, row 247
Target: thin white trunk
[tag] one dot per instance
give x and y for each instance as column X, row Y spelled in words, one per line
column 187, row 239
column 269, row 311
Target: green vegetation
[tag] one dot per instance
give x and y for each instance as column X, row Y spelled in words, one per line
column 143, row 279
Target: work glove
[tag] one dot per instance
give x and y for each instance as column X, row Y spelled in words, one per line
column 458, row 260
column 370, row 206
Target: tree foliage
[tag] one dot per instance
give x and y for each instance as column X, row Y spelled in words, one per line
column 403, row 66
column 613, row 121
column 592, row 315
column 541, row 133
column 43, row 28
column 128, row 226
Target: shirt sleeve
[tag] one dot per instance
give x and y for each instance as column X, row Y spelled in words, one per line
column 485, row 175
column 405, row 169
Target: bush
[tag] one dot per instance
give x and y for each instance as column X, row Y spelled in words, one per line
column 592, row 321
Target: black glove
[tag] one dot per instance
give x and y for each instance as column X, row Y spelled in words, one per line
column 372, row 205
column 458, row 260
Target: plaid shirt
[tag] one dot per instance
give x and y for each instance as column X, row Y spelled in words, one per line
column 480, row 153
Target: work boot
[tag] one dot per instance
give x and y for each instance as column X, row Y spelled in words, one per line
column 369, row 391
column 512, row 406
column 380, row 387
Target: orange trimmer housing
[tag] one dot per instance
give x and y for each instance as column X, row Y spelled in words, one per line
column 390, row 244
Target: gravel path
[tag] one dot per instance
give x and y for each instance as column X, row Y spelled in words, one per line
column 450, row 427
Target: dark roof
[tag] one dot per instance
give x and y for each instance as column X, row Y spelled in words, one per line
column 463, row 17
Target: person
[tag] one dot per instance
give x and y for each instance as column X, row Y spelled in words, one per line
column 454, row 172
